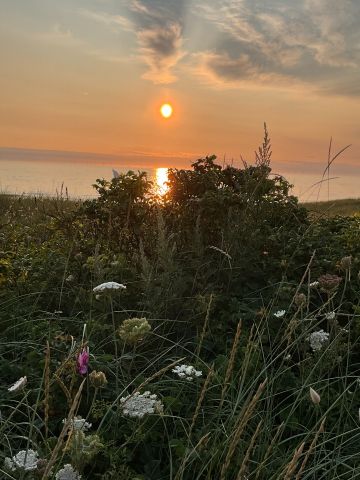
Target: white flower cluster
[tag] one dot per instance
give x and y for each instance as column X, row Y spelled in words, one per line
column 79, row 423
column 317, row 339
column 314, row 284
column 330, row 315
column 25, row 459
column 18, row 385
column 138, row 405
column 108, row 286
column 280, row 313
column 67, row 473
column 186, row 371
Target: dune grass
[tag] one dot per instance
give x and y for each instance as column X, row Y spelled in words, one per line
column 344, row 207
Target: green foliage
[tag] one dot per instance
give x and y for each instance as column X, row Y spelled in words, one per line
column 222, row 244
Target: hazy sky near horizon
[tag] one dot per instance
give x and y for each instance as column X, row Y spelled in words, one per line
column 90, row 76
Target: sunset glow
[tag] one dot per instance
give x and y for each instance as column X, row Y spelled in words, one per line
column 201, row 78
column 161, row 179
column 166, row 110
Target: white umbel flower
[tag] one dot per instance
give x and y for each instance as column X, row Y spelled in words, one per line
column 108, row 286
column 314, row 284
column 279, row 313
column 138, row 405
column 18, row 385
column 317, row 340
column 330, row 316
column 67, row 473
column 186, row 371
column 79, row 423
column 25, row 460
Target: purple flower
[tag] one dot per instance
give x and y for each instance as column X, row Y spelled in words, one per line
column 83, row 361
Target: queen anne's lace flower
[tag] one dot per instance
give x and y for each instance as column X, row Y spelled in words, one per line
column 138, row 405
column 79, row 423
column 108, row 286
column 279, row 313
column 133, row 330
column 330, row 316
column 186, row 371
column 25, row 459
column 18, row 385
column 314, row 284
column 317, row 339
column 67, row 473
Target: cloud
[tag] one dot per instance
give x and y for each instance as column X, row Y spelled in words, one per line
column 221, row 70
column 313, row 42
column 159, row 31
column 59, row 35
column 160, row 49
column 108, row 19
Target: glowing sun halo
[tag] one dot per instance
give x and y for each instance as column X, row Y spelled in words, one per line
column 166, row 110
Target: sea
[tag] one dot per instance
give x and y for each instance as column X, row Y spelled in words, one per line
column 75, row 179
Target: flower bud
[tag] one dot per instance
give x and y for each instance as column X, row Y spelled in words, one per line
column 345, row 262
column 97, row 379
column 314, row 396
column 300, row 299
column 329, row 283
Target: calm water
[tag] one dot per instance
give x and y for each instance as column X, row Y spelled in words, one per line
column 34, row 177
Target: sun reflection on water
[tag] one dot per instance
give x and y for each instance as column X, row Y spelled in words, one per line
column 161, row 179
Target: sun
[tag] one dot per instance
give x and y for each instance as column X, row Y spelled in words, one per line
column 166, row 110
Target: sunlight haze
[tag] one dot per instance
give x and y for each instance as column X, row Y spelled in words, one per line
column 91, row 76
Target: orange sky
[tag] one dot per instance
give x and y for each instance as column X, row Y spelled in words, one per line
column 91, row 76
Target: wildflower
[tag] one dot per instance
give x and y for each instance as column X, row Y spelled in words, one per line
column 67, row 473
column 279, row 313
column 314, row 284
column 98, row 379
column 134, row 330
column 108, row 287
column 186, row 371
column 70, row 278
column 79, row 424
column 25, row 459
column 329, row 283
column 138, row 405
column 18, row 385
column 314, row 396
column 330, row 315
column 83, row 361
column 300, row 299
column 317, row 339
column 345, row 262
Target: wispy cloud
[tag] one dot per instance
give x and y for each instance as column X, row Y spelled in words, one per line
column 160, row 49
column 59, row 35
column 113, row 20
column 159, row 31
column 314, row 42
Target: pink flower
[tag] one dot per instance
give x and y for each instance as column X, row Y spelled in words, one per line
column 83, row 361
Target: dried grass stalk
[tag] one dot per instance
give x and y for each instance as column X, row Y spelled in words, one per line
column 64, row 430
column 244, row 417
column 231, row 362
column 206, row 323
column 248, row 452
column 291, row 466
column 310, row 450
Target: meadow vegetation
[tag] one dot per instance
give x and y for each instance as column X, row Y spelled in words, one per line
column 211, row 333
